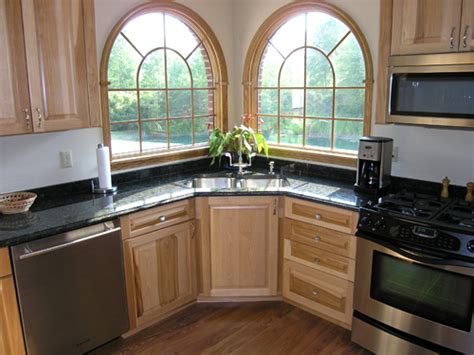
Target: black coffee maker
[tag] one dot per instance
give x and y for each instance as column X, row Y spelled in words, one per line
column 374, row 164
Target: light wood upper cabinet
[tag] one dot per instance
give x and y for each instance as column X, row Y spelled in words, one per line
column 60, row 70
column 426, row 26
column 467, row 26
column 160, row 273
column 14, row 98
column 243, row 244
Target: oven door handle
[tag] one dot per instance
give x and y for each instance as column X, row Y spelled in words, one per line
column 416, row 255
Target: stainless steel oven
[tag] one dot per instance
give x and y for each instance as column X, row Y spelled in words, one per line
column 407, row 302
column 435, row 89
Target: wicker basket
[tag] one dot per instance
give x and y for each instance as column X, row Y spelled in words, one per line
column 16, row 202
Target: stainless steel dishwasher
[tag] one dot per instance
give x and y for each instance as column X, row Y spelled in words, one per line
column 71, row 290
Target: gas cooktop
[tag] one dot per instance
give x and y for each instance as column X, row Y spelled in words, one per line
column 421, row 221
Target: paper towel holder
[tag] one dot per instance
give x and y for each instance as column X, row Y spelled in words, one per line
column 99, row 191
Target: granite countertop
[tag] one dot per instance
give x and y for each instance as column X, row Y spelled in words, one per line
column 57, row 215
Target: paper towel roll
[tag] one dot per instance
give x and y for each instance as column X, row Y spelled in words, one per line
column 103, row 166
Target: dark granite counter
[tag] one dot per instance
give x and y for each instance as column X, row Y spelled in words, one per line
column 59, row 214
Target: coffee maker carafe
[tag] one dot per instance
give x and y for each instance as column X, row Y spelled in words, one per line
column 374, row 164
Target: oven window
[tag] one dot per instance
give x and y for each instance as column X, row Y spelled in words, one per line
column 433, row 95
column 440, row 296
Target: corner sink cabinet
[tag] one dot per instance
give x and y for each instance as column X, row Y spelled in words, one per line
column 238, row 246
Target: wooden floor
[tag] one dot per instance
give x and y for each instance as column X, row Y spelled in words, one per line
column 243, row 328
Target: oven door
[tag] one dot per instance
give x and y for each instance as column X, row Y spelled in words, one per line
column 415, row 296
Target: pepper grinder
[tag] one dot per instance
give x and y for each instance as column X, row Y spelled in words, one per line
column 445, row 191
column 470, row 192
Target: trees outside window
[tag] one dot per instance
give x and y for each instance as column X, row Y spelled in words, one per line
column 309, row 81
column 165, row 82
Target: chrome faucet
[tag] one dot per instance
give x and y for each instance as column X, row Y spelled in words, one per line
column 251, row 154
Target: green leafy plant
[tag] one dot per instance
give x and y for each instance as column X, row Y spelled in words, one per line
column 221, row 142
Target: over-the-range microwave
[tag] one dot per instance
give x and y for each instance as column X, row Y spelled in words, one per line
column 435, row 89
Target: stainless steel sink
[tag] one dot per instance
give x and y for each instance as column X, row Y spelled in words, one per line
column 207, row 182
column 245, row 182
column 264, row 181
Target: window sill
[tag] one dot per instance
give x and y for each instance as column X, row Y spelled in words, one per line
column 342, row 159
column 155, row 159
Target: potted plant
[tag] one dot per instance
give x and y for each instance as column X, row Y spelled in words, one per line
column 229, row 142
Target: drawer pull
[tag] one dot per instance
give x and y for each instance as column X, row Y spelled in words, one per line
column 317, row 216
column 162, row 218
column 315, row 293
column 316, row 261
column 317, row 239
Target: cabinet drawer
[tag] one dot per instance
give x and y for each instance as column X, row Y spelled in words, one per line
column 321, row 215
column 319, row 259
column 156, row 218
column 321, row 238
column 325, row 294
column 5, row 266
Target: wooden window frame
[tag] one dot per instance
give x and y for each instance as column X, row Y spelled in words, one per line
column 251, row 71
column 219, row 69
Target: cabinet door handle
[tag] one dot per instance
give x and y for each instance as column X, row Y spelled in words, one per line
column 162, row 218
column 27, row 117
column 451, row 39
column 40, row 117
column 315, row 292
column 317, row 239
column 464, row 38
column 317, row 261
column 317, row 216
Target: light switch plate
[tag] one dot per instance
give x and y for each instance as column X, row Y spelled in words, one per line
column 65, row 158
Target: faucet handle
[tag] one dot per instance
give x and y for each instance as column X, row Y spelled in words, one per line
column 271, row 166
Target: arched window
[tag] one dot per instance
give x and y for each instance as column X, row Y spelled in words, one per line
column 163, row 82
column 308, row 78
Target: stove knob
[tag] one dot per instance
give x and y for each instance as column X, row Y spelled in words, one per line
column 470, row 246
column 380, row 225
column 365, row 221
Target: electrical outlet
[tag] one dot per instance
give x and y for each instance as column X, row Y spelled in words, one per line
column 65, row 158
column 395, row 154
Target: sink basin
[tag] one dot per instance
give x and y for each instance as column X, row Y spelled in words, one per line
column 264, row 181
column 207, row 182
column 245, row 182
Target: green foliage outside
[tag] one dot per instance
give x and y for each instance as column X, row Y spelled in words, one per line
column 123, row 101
column 347, row 60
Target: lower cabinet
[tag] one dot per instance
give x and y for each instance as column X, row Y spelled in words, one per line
column 239, row 246
column 160, row 273
column 11, row 335
column 317, row 291
column 319, row 259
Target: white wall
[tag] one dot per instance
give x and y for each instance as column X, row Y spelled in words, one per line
column 424, row 153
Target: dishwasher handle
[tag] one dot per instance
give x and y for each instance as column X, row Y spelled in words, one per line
column 46, row 250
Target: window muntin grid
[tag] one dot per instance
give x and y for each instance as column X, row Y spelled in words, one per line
column 161, row 87
column 311, row 85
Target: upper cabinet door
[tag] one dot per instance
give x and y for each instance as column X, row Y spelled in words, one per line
column 57, row 56
column 467, row 26
column 14, row 99
column 425, row 26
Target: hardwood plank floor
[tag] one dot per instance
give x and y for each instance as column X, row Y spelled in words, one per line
column 238, row 328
